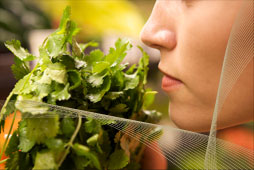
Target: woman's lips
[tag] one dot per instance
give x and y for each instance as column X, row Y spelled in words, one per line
column 169, row 83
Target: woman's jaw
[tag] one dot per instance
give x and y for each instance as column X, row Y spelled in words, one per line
column 192, row 42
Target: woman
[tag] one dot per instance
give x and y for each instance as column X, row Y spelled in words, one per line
column 192, row 36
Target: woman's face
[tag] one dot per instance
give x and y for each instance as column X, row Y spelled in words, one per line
column 192, row 37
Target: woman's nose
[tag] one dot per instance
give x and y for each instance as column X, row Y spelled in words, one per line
column 158, row 31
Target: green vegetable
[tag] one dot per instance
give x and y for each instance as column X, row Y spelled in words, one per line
column 44, row 160
column 94, row 82
column 118, row 160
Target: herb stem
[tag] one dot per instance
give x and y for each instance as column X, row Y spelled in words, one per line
column 9, row 133
column 4, row 160
column 5, row 104
column 70, row 143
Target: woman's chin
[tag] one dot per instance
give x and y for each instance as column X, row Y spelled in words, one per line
column 189, row 118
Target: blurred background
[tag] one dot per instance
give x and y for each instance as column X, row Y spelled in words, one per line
column 101, row 20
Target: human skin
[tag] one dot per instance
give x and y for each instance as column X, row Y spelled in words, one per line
column 192, row 36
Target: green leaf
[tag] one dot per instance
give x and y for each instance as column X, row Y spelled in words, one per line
column 77, row 52
column 131, row 69
column 89, row 44
column 44, row 58
column 81, row 162
column 149, row 98
column 118, row 160
column 19, row 69
column 82, row 150
column 71, row 30
column 95, row 160
column 40, row 129
column 65, row 18
column 133, row 166
column 15, row 47
column 25, row 144
column 42, row 90
column 92, row 126
column 105, row 143
column 96, row 94
column 57, row 73
column 55, row 144
column 97, row 79
column 68, row 126
column 74, row 78
column 100, row 66
column 45, row 160
column 116, row 55
column 25, row 104
column 13, row 144
column 56, row 45
column 143, row 66
column 18, row 160
column 118, row 80
column 94, row 56
column 56, row 42
column 131, row 81
column 119, row 108
column 20, row 84
column 24, row 161
column 107, row 122
column 61, row 93
column 13, row 162
column 80, row 64
column 68, row 62
column 92, row 140
column 45, row 79
column 114, row 95
column 10, row 108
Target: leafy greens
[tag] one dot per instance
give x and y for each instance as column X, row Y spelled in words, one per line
column 93, row 82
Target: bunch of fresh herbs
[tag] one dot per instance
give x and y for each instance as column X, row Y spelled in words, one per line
column 66, row 76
